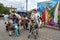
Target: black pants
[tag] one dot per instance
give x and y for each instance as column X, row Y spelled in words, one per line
column 31, row 28
column 6, row 28
column 26, row 25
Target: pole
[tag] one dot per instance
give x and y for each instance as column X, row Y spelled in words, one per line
column 26, row 6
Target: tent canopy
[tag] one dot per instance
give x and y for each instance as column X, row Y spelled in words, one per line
column 21, row 12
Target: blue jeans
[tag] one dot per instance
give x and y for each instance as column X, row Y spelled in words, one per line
column 16, row 32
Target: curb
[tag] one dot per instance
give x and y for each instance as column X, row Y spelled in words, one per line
column 50, row 27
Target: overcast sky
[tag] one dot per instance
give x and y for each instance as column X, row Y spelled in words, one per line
column 21, row 3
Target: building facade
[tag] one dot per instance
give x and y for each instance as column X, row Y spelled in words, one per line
column 12, row 10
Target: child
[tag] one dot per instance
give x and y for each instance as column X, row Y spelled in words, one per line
column 15, row 25
column 10, row 27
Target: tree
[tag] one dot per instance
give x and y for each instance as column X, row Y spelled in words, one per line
column 6, row 10
column 3, row 10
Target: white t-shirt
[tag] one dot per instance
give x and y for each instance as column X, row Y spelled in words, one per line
column 32, row 16
column 6, row 18
column 35, row 15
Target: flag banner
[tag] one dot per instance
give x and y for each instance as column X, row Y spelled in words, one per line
column 49, row 12
column 56, row 13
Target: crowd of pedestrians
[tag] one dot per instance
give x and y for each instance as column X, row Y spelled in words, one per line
column 15, row 23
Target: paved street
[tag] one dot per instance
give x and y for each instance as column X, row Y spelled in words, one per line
column 44, row 34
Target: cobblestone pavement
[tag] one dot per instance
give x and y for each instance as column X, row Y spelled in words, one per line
column 44, row 34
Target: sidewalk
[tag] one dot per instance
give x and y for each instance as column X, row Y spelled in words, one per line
column 1, row 18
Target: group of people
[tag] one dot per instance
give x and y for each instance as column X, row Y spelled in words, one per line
column 14, row 23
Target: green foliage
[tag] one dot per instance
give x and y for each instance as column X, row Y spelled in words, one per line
column 6, row 10
column 3, row 10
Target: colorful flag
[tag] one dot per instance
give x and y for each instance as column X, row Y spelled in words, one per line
column 56, row 13
column 43, row 16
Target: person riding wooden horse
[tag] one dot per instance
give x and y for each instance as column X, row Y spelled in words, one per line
column 10, row 28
